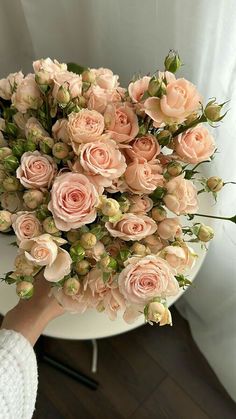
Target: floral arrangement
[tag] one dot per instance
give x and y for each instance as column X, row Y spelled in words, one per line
column 94, row 179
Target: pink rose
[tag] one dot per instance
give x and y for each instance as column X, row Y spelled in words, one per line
column 102, row 158
column 78, row 303
column 9, row 85
column 27, row 95
column 132, row 227
column 181, row 197
column 34, row 130
column 146, row 278
column 44, row 250
column 195, row 145
column 36, row 170
column 140, row 204
column 144, row 148
column 73, row 201
column 71, row 82
column 181, row 99
column 98, row 287
column 96, row 252
column 137, row 88
column 154, row 243
column 59, row 130
column 99, row 98
column 26, row 225
column 113, row 302
column 121, row 122
column 85, row 126
column 114, row 247
column 118, row 185
column 105, row 78
column 169, row 229
column 143, row 177
column 46, row 69
column 179, row 257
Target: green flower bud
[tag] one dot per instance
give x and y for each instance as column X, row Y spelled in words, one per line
column 82, row 267
column 138, row 249
column 172, row 62
column 212, row 112
column 215, row 183
column 77, row 252
column 42, row 212
column 205, row 233
column 11, row 129
column 25, row 290
column 49, row 226
column 124, row 203
column 11, row 163
column 156, row 87
column 5, row 152
column 5, row 220
column 88, row 76
column 159, row 214
column 18, row 148
column 110, row 207
column 158, row 194
column 60, row 150
column 11, row 184
column 71, row 286
column 164, row 137
column 88, row 240
column 46, row 145
column 174, row 168
column 63, row 96
column 73, row 236
column 30, row 145
column 43, row 77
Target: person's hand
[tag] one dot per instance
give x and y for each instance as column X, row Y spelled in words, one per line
column 30, row 317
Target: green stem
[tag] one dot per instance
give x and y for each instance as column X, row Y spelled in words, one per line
column 183, row 128
column 201, row 191
column 233, row 219
column 228, row 183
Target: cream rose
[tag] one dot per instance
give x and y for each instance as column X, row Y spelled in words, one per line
column 105, row 78
column 9, row 84
column 181, row 99
column 44, row 250
column 113, row 302
column 181, row 197
column 73, row 201
column 36, row 170
column 85, row 126
column 137, row 88
column 132, row 227
column 59, row 130
column 147, row 278
column 144, row 148
column 169, row 229
column 71, row 82
column 46, row 69
column 121, row 122
column 26, row 225
column 143, row 177
column 158, row 313
column 180, row 257
column 27, row 95
column 195, row 145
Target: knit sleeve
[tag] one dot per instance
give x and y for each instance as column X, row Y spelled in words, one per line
column 18, row 376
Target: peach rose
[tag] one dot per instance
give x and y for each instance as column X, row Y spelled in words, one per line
column 34, row 130
column 36, row 170
column 44, row 250
column 143, row 177
column 169, row 229
column 195, row 145
column 102, row 158
column 73, row 201
column 132, row 227
column 71, row 82
column 140, row 204
column 181, row 197
column 113, row 302
column 137, row 88
column 96, row 252
column 180, row 257
column 99, row 98
column 121, row 122
column 59, row 130
column 154, row 243
column 46, row 69
column 9, row 84
column 181, row 99
column 26, row 225
column 144, row 148
column 27, row 95
column 146, row 278
column 105, row 78
column 85, row 126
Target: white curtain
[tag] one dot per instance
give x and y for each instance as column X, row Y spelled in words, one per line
column 132, row 36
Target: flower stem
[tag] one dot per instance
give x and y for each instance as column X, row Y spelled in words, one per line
column 183, row 128
column 233, row 219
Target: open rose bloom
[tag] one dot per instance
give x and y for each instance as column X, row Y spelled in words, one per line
column 94, row 178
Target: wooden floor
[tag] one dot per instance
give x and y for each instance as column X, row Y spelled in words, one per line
column 148, row 373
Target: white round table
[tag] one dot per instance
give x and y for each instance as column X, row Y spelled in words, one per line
column 91, row 324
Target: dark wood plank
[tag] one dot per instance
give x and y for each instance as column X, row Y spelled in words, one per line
column 169, row 401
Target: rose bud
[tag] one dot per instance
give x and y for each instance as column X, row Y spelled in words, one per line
column 4, row 152
column 156, row 87
column 82, row 267
column 205, row 233
column 192, row 117
column 174, row 168
column 159, row 214
column 60, row 150
column 46, row 145
column 71, row 286
column 82, row 101
column 110, row 207
column 24, row 289
column 18, row 148
column 12, row 201
column 43, row 77
column 30, row 145
column 212, row 112
column 138, row 249
column 77, row 252
column 5, row 220
column 88, row 76
column 73, row 236
column 172, row 62
column 215, row 183
column 124, row 203
column 63, row 96
column 43, row 212
column 88, row 240
column 156, row 312
column 49, row 226
column 33, row 198
column 109, row 263
column 11, row 163
column 164, row 137
column 11, row 184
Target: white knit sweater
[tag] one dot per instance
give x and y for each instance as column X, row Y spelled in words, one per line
column 18, row 376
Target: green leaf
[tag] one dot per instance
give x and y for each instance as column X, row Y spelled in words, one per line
column 76, row 68
column 106, row 276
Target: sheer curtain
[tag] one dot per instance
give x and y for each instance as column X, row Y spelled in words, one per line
column 134, row 36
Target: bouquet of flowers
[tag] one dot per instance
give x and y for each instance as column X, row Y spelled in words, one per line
column 94, row 178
